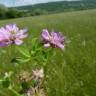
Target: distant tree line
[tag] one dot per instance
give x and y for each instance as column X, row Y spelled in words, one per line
column 61, row 6
column 47, row 8
column 6, row 13
column 9, row 13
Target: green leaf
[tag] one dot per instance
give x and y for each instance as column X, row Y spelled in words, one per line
column 6, row 83
column 8, row 74
column 20, row 60
column 24, row 51
column 34, row 41
column 25, row 85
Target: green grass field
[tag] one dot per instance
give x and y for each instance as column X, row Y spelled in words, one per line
column 72, row 72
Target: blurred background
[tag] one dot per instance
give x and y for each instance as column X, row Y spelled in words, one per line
column 25, row 8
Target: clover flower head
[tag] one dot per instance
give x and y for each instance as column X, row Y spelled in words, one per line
column 24, row 76
column 11, row 34
column 54, row 39
column 38, row 74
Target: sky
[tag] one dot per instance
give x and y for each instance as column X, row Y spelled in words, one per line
column 11, row 3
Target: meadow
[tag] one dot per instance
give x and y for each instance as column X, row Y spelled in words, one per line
column 70, row 73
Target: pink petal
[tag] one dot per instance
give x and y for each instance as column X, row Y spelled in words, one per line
column 60, row 46
column 45, row 34
column 21, row 34
column 18, row 42
column 12, row 27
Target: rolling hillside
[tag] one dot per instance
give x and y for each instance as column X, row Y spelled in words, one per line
column 45, row 8
column 60, row 6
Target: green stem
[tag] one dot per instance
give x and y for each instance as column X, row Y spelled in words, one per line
column 13, row 91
